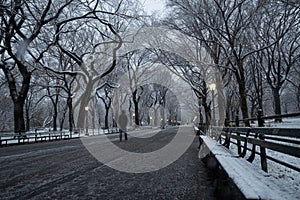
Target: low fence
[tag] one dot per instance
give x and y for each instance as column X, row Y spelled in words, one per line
column 93, row 132
column 33, row 137
column 9, row 138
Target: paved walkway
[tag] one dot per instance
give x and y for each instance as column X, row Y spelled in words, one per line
column 66, row 170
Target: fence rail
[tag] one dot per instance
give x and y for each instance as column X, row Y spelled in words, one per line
column 33, row 137
column 10, row 138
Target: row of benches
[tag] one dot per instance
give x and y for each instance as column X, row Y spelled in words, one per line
column 44, row 136
column 34, row 137
column 111, row 130
column 253, row 183
column 96, row 131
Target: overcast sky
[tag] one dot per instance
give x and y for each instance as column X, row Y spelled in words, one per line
column 153, row 5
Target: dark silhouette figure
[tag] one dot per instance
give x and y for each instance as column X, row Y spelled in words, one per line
column 123, row 121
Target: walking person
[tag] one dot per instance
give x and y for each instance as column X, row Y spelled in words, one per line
column 123, row 121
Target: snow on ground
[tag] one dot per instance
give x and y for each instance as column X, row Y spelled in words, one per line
column 285, row 175
column 286, row 123
column 142, row 132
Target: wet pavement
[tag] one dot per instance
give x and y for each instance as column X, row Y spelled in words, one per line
column 66, row 170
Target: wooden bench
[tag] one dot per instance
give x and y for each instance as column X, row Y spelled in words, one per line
column 21, row 140
column 111, row 130
column 34, row 137
column 252, row 182
column 40, row 138
column 58, row 135
column 257, row 141
column 3, row 141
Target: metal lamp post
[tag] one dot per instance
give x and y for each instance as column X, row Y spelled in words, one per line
column 212, row 87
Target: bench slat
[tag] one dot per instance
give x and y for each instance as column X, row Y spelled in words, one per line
column 216, row 148
column 293, row 151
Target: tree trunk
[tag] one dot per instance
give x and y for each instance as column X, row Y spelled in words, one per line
column 136, row 108
column 18, row 97
column 200, row 112
column 136, row 111
column 243, row 99
column 244, row 107
column 61, row 126
column 106, row 118
column 84, row 103
column 27, row 119
column 55, row 113
column 62, row 119
column 71, row 117
column 19, row 116
column 277, row 103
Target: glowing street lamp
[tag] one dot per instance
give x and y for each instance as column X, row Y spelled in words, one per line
column 195, row 118
column 212, row 86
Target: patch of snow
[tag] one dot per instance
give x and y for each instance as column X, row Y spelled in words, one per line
column 286, row 176
column 286, row 123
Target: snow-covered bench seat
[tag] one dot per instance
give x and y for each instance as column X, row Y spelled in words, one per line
column 252, row 182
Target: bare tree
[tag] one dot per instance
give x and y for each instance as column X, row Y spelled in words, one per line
column 106, row 94
column 226, row 28
column 139, row 69
column 96, row 56
column 281, row 27
column 195, row 76
column 21, row 25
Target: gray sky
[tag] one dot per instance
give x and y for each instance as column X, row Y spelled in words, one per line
column 153, row 5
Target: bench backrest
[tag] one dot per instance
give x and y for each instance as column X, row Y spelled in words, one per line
column 282, row 140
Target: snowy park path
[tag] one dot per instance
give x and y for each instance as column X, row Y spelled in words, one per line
column 66, row 170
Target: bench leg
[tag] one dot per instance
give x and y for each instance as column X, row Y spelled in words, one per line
column 263, row 156
column 252, row 156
